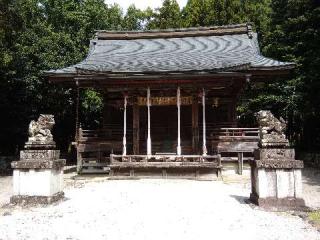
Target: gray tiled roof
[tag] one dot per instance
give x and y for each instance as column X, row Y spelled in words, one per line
column 175, row 54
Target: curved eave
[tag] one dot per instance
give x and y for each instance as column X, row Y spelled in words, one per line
column 239, row 67
column 94, row 79
column 288, row 67
column 246, row 67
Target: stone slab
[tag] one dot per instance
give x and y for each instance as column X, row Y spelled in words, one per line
column 273, row 143
column 34, row 200
column 39, row 164
column 40, row 145
column 270, row 184
column 39, row 154
column 40, row 182
column 297, row 173
column 277, row 164
column 285, row 183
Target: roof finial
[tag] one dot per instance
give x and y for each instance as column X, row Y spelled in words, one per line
column 249, row 30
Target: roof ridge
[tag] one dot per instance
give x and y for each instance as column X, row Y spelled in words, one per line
column 244, row 28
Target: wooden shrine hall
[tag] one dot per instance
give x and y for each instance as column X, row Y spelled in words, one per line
column 170, row 99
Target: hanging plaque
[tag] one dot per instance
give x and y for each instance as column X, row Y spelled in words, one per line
column 163, row 101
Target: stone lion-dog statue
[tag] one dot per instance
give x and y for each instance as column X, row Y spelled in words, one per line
column 271, row 129
column 40, row 130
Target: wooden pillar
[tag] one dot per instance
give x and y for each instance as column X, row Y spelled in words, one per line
column 124, row 150
column 232, row 111
column 229, row 113
column 106, row 110
column 204, row 144
column 240, row 163
column 179, row 137
column 195, row 125
column 77, row 114
column 149, row 151
column 136, row 127
column 77, row 133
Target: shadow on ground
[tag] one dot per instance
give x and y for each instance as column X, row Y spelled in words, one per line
column 241, row 199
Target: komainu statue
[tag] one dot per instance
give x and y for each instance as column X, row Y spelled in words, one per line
column 40, row 130
column 271, row 130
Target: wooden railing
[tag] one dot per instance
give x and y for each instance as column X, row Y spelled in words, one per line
column 115, row 132
column 239, row 133
column 110, row 132
column 235, row 143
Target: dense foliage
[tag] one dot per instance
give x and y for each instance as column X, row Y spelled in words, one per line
column 37, row 35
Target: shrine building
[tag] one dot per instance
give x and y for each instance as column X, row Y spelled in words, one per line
column 170, row 100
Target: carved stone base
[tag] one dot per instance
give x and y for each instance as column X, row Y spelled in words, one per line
column 277, row 164
column 25, row 200
column 274, row 154
column 39, row 154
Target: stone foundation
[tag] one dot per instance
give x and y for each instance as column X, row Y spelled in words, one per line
column 39, row 164
column 280, row 204
column 25, row 200
column 167, row 173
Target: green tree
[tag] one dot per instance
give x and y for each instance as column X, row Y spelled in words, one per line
column 294, row 36
column 167, row 16
column 38, row 35
column 195, row 13
column 134, row 19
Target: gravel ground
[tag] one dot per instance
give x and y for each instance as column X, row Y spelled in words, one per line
column 311, row 187
column 153, row 209
column 5, row 189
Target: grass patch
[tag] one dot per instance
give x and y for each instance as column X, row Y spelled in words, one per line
column 314, row 217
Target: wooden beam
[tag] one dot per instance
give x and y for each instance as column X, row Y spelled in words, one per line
column 204, row 135
column 136, row 127
column 130, row 79
column 240, row 163
column 77, row 133
column 124, row 149
column 195, row 125
column 232, row 110
column 174, row 33
column 149, row 151
column 179, row 115
column 77, row 114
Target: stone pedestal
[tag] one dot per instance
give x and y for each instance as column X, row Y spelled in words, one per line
column 276, row 179
column 38, row 176
column 275, row 174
